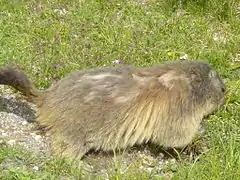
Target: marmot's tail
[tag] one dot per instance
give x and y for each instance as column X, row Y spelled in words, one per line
column 20, row 81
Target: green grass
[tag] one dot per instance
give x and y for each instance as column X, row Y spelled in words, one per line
column 19, row 164
column 48, row 43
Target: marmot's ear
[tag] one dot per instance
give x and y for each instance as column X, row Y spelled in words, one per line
column 153, row 72
column 168, row 78
column 171, row 78
column 142, row 72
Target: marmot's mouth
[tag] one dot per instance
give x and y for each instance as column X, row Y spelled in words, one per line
column 220, row 103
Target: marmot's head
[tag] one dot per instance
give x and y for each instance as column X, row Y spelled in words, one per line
column 208, row 88
column 195, row 80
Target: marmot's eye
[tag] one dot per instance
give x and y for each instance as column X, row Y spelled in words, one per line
column 223, row 89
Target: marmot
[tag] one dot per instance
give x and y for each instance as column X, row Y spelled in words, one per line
column 117, row 107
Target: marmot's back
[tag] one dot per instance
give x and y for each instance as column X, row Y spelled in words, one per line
column 109, row 108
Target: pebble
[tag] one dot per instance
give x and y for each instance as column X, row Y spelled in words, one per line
column 24, row 123
column 11, row 142
column 37, row 137
column 4, row 134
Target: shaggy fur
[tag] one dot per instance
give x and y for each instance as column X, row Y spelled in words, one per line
column 109, row 108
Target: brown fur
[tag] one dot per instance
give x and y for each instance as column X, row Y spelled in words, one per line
column 109, row 108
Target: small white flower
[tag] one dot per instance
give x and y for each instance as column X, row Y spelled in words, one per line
column 61, row 11
column 184, row 57
column 117, row 61
column 35, row 168
column 216, row 37
column 219, row 37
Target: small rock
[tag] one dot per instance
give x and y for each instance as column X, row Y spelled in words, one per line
column 11, row 142
column 160, row 155
column 4, row 134
column 32, row 134
column 2, row 141
column 24, row 123
column 37, row 137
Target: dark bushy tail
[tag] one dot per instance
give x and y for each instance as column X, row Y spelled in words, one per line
column 20, row 81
